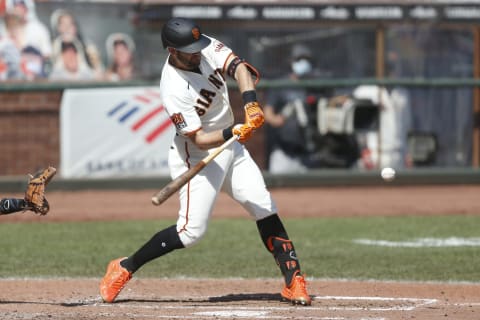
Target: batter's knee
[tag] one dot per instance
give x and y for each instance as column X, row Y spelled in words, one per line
column 190, row 235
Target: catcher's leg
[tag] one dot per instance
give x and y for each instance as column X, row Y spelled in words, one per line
column 276, row 240
column 11, row 205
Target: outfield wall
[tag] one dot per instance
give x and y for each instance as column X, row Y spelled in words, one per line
column 30, row 126
column 30, row 139
column 318, row 178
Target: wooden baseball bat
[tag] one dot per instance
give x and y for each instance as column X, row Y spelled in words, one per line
column 175, row 185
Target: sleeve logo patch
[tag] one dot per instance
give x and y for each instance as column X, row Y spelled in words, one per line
column 219, row 46
column 178, row 120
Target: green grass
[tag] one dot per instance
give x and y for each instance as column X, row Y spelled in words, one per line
column 232, row 248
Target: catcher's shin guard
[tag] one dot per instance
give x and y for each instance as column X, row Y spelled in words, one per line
column 11, row 205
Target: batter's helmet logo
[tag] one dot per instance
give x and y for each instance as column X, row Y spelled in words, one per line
column 178, row 120
column 196, row 33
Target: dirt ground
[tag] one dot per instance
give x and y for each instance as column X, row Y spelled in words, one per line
column 240, row 298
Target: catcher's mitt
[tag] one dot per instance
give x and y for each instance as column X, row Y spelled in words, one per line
column 35, row 194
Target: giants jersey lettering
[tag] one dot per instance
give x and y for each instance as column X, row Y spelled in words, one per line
column 195, row 100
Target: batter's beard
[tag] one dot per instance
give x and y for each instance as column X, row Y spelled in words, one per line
column 190, row 62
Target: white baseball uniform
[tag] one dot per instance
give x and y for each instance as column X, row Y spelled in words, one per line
column 195, row 101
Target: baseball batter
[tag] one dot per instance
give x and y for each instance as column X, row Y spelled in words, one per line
column 194, row 90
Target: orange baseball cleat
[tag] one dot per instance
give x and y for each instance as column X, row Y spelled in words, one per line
column 296, row 292
column 114, row 280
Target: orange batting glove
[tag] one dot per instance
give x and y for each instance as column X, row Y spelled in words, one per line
column 243, row 131
column 254, row 115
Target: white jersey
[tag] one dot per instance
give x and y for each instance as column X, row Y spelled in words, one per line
column 197, row 101
column 194, row 100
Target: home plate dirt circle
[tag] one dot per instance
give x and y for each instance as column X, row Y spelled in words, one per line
column 236, row 298
column 197, row 299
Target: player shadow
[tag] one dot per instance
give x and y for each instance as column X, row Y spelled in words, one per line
column 28, row 302
column 247, row 297
column 78, row 303
column 218, row 299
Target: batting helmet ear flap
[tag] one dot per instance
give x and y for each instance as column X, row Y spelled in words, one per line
column 165, row 42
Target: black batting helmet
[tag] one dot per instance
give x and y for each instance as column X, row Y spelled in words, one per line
column 183, row 35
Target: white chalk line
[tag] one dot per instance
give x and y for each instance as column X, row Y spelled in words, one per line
column 423, row 242
column 258, row 312
column 414, row 303
column 467, row 304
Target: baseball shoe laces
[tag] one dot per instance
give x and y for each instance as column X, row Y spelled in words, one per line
column 114, row 280
column 296, row 292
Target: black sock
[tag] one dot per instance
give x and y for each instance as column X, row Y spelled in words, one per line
column 11, row 205
column 275, row 239
column 161, row 243
column 271, row 226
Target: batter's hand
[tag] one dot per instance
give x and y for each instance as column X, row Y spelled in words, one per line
column 254, row 115
column 243, row 131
